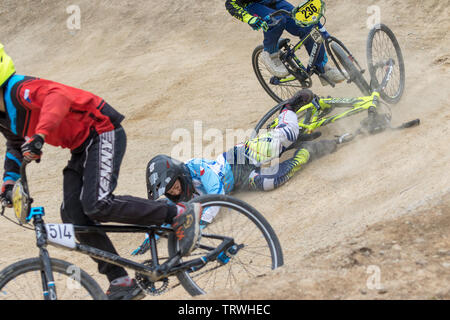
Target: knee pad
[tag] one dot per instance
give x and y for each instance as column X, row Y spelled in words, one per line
column 260, row 183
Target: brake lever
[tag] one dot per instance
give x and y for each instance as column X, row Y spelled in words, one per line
column 271, row 22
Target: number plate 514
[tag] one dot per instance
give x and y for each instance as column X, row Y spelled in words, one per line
column 61, row 234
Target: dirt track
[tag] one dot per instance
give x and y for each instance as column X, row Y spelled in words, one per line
column 382, row 201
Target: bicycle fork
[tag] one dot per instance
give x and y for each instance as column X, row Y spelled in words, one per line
column 48, row 282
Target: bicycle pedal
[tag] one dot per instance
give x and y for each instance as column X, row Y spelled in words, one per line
column 275, row 81
column 346, row 137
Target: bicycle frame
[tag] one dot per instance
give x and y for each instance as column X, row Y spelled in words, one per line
column 312, row 115
column 320, row 37
column 355, row 105
column 155, row 272
column 297, row 69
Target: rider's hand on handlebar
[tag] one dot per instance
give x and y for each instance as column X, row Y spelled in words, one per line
column 31, row 149
column 6, row 195
column 257, row 23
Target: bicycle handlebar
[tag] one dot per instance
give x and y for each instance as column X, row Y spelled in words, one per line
column 24, row 182
column 279, row 12
column 270, row 22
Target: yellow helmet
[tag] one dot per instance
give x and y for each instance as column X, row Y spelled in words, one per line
column 7, row 68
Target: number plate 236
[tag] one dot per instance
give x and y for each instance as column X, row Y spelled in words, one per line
column 61, row 235
column 310, row 12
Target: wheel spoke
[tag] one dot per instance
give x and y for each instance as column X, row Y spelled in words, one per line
column 258, row 250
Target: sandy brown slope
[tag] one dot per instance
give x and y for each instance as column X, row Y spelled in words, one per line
column 166, row 64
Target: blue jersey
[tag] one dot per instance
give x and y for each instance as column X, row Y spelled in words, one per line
column 211, row 176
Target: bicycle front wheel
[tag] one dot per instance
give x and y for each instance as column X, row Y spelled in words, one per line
column 23, row 281
column 345, row 60
column 382, row 46
column 259, row 248
column 277, row 89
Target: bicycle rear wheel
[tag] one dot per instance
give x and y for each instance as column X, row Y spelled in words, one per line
column 22, row 281
column 279, row 91
column 259, row 248
column 267, row 121
column 382, row 45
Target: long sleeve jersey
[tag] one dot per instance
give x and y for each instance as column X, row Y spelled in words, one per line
column 237, row 9
column 65, row 115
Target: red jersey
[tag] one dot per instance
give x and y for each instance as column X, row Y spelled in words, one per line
column 65, row 115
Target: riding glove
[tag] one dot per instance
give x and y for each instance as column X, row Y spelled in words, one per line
column 257, row 23
column 6, row 195
column 31, row 149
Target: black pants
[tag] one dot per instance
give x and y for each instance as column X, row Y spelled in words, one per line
column 89, row 181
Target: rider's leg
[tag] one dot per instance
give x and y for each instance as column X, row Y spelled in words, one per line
column 270, row 55
column 266, row 179
column 322, row 59
column 270, row 145
column 271, row 36
column 72, row 212
column 103, row 158
column 300, row 32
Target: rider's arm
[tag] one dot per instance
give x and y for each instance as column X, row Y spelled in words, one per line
column 210, row 183
column 236, row 9
column 13, row 157
column 55, row 107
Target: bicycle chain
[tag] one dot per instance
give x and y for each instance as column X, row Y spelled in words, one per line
column 149, row 286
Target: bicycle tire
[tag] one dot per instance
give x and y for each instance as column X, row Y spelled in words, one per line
column 265, row 121
column 190, row 280
column 353, row 72
column 399, row 62
column 285, row 91
column 33, row 265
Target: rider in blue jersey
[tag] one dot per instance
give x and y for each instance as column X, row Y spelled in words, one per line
column 240, row 168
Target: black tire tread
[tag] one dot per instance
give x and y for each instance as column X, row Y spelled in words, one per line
column 186, row 280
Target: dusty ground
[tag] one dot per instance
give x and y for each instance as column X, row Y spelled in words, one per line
column 376, row 210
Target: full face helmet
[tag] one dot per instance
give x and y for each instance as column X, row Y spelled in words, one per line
column 6, row 66
column 162, row 172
